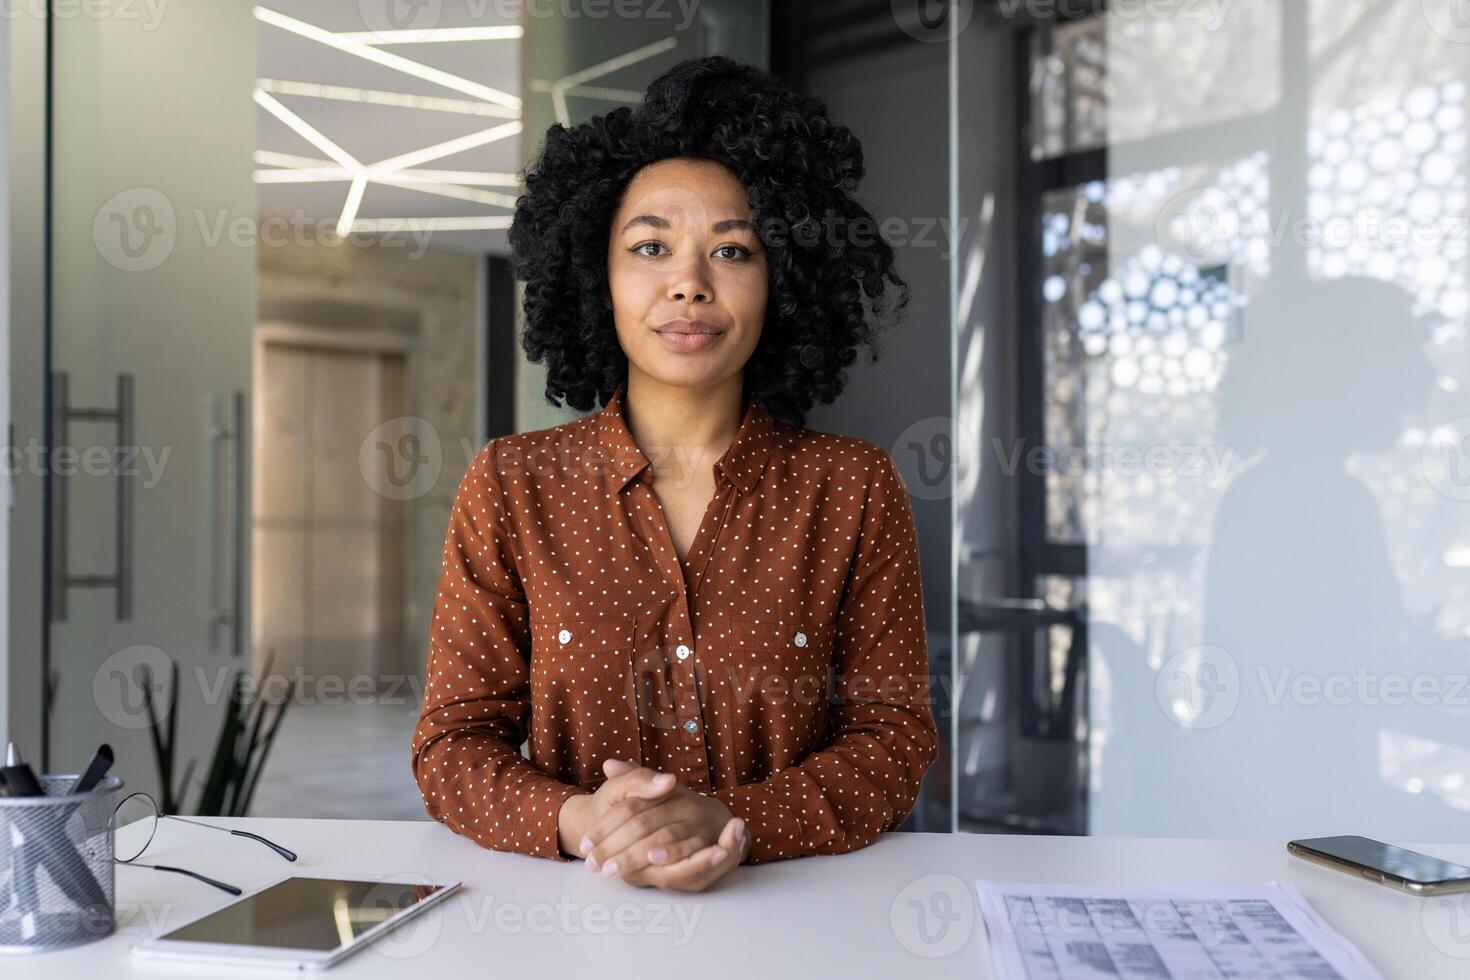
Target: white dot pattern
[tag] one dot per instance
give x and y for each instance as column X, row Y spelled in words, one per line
column 781, row 666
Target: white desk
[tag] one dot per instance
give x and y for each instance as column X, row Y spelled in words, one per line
column 816, row 916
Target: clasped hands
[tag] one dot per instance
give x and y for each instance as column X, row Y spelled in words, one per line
column 648, row 829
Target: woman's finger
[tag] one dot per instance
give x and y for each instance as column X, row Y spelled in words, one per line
column 663, row 856
column 690, row 873
column 623, row 819
column 668, row 846
column 733, row 836
column 616, row 767
column 650, row 823
column 644, row 783
column 707, row 865
column 642, row 790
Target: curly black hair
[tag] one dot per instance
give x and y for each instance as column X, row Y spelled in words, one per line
column 827, row 265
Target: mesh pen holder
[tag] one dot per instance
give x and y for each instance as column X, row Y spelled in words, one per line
column 56, row 868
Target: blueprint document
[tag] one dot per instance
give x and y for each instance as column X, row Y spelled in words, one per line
column 1176, row 931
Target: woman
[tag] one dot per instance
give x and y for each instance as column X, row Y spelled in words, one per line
column 707, row 618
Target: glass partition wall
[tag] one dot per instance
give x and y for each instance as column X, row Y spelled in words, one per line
column 1234, row 446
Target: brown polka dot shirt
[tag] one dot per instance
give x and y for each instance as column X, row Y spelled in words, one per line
column 782, row 667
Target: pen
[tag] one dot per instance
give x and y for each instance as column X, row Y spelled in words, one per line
column 95, row 770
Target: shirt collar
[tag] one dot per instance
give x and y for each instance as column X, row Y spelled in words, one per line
column 742, row 463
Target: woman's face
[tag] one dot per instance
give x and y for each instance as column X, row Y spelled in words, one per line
column 682, row 256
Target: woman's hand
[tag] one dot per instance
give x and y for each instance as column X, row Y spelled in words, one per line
column 699, row 870
column 680, row 840
column 634, row 785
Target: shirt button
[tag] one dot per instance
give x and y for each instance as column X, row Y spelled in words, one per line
column 682, row 652
column 565, row 636
column 691, row 726
column 801, row 639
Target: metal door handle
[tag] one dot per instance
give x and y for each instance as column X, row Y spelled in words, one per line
column 121, row 579
column 234, row 433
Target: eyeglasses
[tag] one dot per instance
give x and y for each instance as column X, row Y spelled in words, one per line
column 140, row 808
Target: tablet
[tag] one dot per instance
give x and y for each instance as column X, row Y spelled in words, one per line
column 299, row 922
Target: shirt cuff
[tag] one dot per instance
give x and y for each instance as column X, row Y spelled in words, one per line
column 549, row 844
column 775, row 831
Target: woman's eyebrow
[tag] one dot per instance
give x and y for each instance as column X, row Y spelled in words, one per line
column 719, row 227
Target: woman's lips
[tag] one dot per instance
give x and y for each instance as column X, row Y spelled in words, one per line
column 688, row 342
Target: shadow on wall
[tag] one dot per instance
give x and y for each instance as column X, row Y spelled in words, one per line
column 1294, row 696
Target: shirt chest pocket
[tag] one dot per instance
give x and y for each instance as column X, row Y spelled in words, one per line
column 788, row 654
column 582, row 685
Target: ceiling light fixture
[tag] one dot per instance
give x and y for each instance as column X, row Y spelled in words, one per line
column 562, row 86
column 309, row 133
column 398, row 63
column 435, row 35
column 447, row 148
column 397, row 100
column 494, row 222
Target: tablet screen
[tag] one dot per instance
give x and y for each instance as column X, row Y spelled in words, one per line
column 306, row 913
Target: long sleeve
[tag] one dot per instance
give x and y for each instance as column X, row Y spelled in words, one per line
column 866, row 780
column 476, row 709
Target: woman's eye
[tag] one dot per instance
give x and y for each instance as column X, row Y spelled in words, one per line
column 729, row 251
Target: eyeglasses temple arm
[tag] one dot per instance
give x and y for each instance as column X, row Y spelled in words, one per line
column 184, row 871
column 288, row 855
column 283, row 852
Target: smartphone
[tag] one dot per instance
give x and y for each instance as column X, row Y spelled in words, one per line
column 1362, row 857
